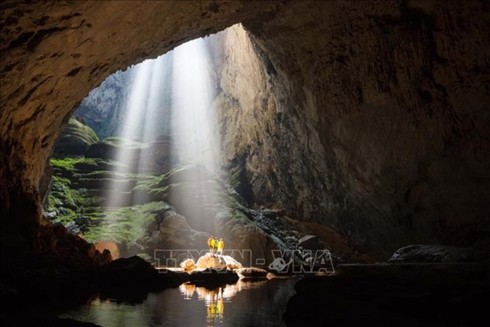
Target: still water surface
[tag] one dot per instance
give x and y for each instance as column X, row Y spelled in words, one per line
column 245, row 303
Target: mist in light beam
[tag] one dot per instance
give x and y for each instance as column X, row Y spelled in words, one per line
column 182, row 83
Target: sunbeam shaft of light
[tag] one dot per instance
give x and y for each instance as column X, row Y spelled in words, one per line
column 194, row 121
column 134, row 114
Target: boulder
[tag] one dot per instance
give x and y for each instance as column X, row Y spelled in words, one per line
column 211, row 261
column 176, row 233
column 75, row 139
column 231, row 263
column 252, row 273
column 188, row 265
column 172, row 220
column 430, row 253
column 128, row 276
column 109, row 246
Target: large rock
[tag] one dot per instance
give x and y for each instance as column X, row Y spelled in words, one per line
column 431, row 253
column 188, row 265
column 196, row 194
column 231, row 263
column 110, row 246
column 54, row 239
column 75, row 139
column 127, row 276
column 176, row 233
column 252, row 273
column 211, row 261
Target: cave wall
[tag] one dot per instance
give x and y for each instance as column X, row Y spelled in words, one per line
column 370, row 116
column 383, row 110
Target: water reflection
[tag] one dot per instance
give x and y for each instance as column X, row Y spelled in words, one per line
column 214, row 299
column 242, row 304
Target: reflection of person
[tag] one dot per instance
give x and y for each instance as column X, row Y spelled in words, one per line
column 221, row 246
column 216, row 306
column 215, row 245
column 210, row 244
column 220, row 308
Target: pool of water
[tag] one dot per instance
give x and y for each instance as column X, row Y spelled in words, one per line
column 245, row 303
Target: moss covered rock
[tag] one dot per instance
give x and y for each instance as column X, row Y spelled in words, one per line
column 75, row 139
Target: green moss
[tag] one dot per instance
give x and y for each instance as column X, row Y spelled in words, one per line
column 127, row 224
column 66, row 200
column 80, row 185
column 68, row 166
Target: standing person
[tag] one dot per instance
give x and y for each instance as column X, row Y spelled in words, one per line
column 221, row 246
column 215, row 245
column 210, row 243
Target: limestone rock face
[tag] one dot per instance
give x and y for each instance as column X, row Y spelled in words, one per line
column 249, row 243
column 103, row 110
column 381, row 114
column 368, row 116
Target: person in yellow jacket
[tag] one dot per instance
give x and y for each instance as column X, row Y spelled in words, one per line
column 210, row 244
column 221, row 246
column 215, row 245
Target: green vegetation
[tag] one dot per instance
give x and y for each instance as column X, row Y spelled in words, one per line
column 127, row 224
column 68, row 166
column 68, row 202
column 78, row 191
column 80, row 185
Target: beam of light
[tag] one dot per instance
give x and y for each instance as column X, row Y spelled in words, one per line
column 194, row 122
column 195, row 131
column 132, row 127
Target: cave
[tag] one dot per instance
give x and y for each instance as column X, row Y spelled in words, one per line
column 362, row 124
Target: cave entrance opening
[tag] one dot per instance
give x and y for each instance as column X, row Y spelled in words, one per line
column 137, row 168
